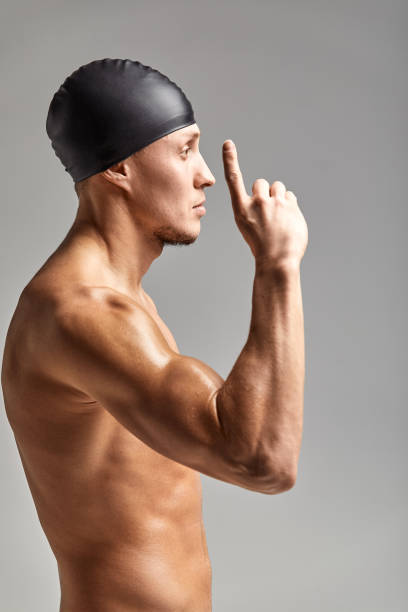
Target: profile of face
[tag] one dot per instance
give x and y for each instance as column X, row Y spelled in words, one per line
column 166, row 180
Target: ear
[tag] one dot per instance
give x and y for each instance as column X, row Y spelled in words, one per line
column 118, row 174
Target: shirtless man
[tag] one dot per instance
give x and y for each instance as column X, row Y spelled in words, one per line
column 113, row 425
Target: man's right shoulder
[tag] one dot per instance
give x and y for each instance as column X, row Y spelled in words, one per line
column 79, row 301
column 87, row 304
column 58, row 318
column 85, row 313
column 62, row 334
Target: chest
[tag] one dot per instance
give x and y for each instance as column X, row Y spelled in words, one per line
column 164, row 329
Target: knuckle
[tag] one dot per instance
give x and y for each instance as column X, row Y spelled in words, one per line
column 240, row 217
column 233, row 175
column 279, row 199
column 258, row 199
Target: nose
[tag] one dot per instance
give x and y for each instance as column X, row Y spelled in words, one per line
column 205, row 178
column 210, row 180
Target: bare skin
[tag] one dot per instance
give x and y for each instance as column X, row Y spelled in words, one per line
column 112, row 424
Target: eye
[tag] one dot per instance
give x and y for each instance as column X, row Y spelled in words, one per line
column 186, row 150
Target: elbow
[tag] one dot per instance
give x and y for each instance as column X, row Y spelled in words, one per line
column 286, row 482
column 272, row 479
column 274, row 486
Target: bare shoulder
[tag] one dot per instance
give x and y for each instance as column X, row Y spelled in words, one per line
column 102, row 320
column 51, row 319
column 53, row 306
column 100, row 328
column 102, row 306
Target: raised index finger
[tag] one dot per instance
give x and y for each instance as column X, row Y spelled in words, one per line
column 233, row 175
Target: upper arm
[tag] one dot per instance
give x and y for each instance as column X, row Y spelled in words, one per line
column 115, row 352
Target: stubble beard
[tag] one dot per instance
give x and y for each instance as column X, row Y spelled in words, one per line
column 167, row 235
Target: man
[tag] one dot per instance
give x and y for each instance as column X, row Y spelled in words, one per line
column 113, row 424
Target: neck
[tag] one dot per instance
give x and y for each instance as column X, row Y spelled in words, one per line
column 117, row 251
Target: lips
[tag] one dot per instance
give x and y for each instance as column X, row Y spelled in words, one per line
column 199, row 204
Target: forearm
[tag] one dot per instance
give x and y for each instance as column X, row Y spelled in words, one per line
column 260, row 405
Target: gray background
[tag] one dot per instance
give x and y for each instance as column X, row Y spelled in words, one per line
column 314, row 94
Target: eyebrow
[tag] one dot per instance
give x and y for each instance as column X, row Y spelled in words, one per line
column 193, row 136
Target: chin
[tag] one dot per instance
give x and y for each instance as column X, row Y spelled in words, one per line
column 174, row 236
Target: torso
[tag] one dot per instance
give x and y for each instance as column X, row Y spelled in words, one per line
column 124, row 522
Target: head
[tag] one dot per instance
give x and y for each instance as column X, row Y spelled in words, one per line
column 123, row 128
column 159, row 185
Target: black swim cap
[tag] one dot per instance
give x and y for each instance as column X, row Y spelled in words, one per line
column 110, row 108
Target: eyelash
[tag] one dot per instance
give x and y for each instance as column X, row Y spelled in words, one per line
column 187, row 149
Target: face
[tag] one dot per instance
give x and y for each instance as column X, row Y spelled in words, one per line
column 168, row 181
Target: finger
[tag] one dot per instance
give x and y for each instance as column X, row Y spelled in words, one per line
column 277, row 190
column 233, row 175
column 291, row 196
column 260, row 188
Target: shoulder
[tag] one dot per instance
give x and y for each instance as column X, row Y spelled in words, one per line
column 57, row 319
column 89, row 304
column 100, row 320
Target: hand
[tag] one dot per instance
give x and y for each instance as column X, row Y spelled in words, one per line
column 270, row 220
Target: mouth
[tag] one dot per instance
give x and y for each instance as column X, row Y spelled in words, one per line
column 200, row 208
